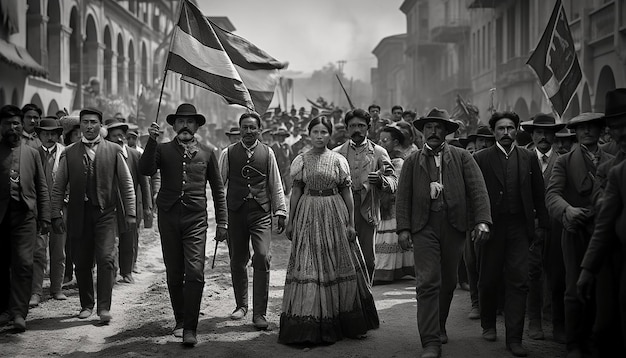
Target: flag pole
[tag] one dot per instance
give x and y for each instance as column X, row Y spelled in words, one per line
column 345, row 92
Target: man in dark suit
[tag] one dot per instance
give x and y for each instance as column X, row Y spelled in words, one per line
column 542, row 129
column 569, row 200
column 185, row 165
column 24, row 203
column 129, row 233
column 98, row 177
column 516, row 193
column 437, row 186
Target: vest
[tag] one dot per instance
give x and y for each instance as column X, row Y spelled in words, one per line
column 247, row 177
column 512, row 190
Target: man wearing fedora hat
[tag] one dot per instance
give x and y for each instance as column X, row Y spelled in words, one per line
column 569, row 200
column 97, row 176
column 283, row 153
column 186, row 165
column 564, row 140
column 234, row 135
column 24, row 206
column 254, row 194
column 516, row 193
column 542, row 129
column 600, row 257
column 49, row 132
column 128, row 233
column 440, row 192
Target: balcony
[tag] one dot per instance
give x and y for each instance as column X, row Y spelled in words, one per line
column 602, row 22
column 451, row 30
column 513, row 71
column 481, row 4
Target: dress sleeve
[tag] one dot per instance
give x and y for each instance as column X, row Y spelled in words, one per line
column 296, row 171
column 344, row 179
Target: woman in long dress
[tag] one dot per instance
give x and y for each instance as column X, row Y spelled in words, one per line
column 392, row 262
column 327, row 295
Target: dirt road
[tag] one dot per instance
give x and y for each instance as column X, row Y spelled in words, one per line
column 143, row 319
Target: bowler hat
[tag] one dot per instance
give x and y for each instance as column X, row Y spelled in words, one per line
column 49, row 123
column 186, row 110
column 587, row 117
column 439, row 115
column 112, row 123
column 542, row 120
column 615, row 109
column 233, row 131
column 88, row 110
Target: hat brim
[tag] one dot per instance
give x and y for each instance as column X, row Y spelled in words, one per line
column 171, row 118
column 57, row 129
column 451, row 127
column 613, row 115
column 565, row 135
column 600, row 120
column 529, row 126
column 122, row 126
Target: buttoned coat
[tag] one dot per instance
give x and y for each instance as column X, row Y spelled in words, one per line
column 531, row 185
column 377, row 159
column 464, row 191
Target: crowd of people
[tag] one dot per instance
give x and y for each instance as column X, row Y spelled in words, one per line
column 524, row 213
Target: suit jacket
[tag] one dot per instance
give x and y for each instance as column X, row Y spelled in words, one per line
column 377, row 160
column 464, row 191
column 610, row 225
column 57, row 158
column 571, row 183
column 34, row 190
column 602, row 177
column 113, row 181
column 141, row 185
column 531, row 185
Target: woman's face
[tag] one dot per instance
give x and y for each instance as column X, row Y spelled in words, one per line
column 386, row 141
column 319, row 136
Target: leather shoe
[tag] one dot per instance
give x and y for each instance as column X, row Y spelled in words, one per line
column 474, row 313
column 178, row 330
column 19, row 324
column 105, row 316
column 517, row 349
column 443, row 336
column 239, row 313
column 34, row 301
column 260, row 322
column 431, row 352
column 535, row 331
column 59, row 296
column 5, row 318
column 128, row 278
column 85, row 313
column 489, row 334
column 189, row 338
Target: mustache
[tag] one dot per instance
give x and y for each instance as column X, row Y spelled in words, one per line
column 434, row 136
column 356, row 135
column 506, row 137
column 184, row 129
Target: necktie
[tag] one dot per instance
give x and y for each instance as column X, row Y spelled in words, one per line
column 544, row 159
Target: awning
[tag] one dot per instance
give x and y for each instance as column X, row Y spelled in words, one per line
column 19, row 57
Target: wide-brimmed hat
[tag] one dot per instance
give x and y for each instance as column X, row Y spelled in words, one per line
column 186, row 110
column 88, row 110
column 436, row 114
column 565, row 133
column 615, row 108
column 587, row 117
column 112, row 123
column 49, row 123
column 233, row 131
column 542, row 120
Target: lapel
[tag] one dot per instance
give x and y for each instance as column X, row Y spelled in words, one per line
column 494, row 162
column 421, row 157
column 25, row 167
column 343, row 149
column 523, row 165
column 579, row 171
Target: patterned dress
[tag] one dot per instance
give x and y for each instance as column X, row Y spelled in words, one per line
column 392, row 262
column 327, row 296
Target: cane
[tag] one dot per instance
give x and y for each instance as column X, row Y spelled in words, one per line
column 214, row 254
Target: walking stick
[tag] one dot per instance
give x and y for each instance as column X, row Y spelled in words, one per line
column 214, row 254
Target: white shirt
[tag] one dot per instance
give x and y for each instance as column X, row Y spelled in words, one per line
column 540, row 155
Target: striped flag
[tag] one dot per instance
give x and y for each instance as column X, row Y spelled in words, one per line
column 224, row 63
column 555, row 63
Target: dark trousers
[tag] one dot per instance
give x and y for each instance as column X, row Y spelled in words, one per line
column 97, row 241
column 535, row 282
column 469, row 255
column 437, row 249
column 128, row 249
column 250, row 223
column 365, row 232
column 55, row 243
column 504, row 256
column 555, row 275
column 183, row 241
column 17, row 244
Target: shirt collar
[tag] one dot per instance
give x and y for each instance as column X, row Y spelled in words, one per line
column 504, row 151
column 540, row 155
column 438, row 150
column 94, row 141
column 49, row 150
column 354, row 145
column 252, row 147
column 30, row 136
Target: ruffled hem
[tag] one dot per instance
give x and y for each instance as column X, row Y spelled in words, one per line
column 315, row 330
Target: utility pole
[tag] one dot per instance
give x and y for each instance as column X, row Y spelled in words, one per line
column 340, row 65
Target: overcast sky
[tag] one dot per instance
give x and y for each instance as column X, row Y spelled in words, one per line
column 311, row 33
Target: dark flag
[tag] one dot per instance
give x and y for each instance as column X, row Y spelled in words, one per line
column 222, row 62
column 555, row 63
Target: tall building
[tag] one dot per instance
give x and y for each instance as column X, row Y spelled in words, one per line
column 389, row 78
column 478, row 49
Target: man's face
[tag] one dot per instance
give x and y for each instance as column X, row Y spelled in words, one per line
column 11, row 129
column 588, row 133
column 471, row 147
column 563, row 145
column 249, row 128
column 31, row 118
column 90, row 126
column 49, row 138
column 357, row 129
column 543, row 139
column 131, row 139
column 375, row 113
column 618, row 134
column 117, row 135
column 505, row 132
column 434, row 133
column 482, row 142
column 185, row 128
column 397, row 115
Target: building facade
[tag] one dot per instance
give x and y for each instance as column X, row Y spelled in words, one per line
column 389, row 78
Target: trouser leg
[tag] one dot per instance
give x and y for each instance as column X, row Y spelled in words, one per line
column 39, row 263
column 472, row 270
column 260, row 224
column 173, row 258
column 365, row 232
column 23, row 236
column 57, row 261
column 194, row 227
column 239, row 252
column 104, row 251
